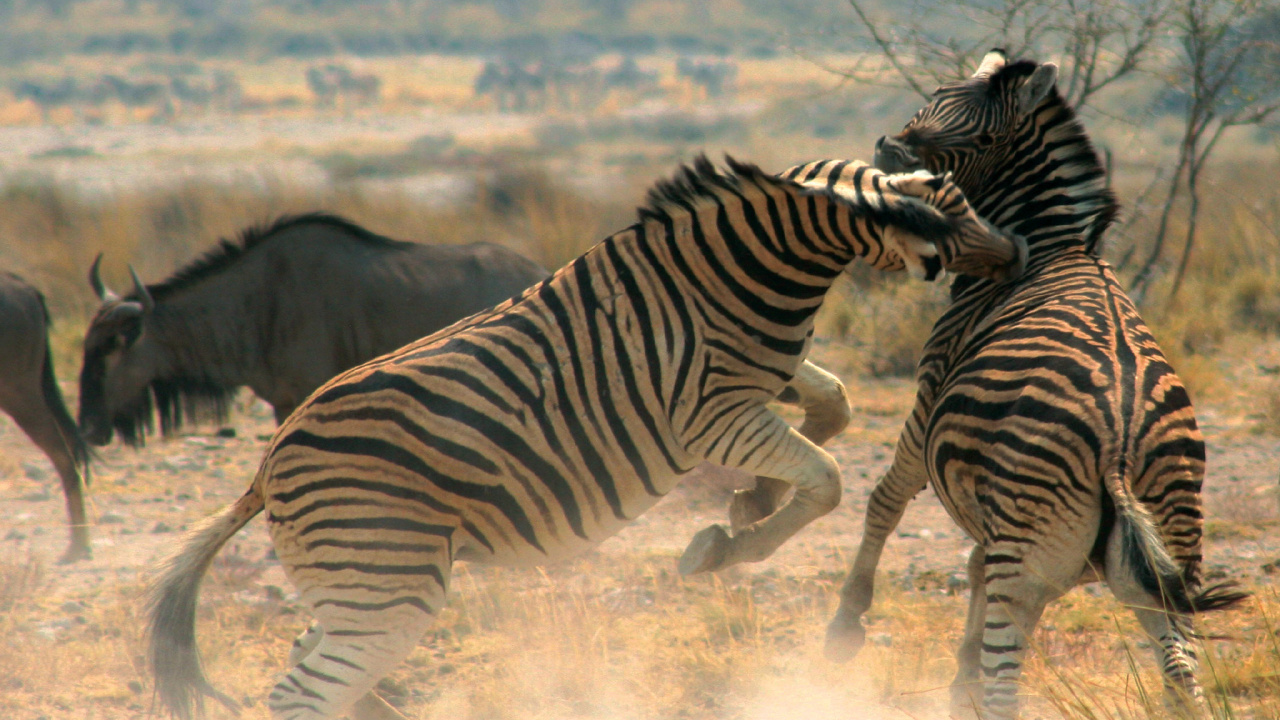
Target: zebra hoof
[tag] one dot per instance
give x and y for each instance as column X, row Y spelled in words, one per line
column 706, row 552
column 844, row 639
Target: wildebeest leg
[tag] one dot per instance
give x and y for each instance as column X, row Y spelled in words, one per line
column 39, row 423
column 826, row 413
column 791, row 458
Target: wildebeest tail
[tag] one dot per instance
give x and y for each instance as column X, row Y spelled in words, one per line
column 175, row 659
column 67, row 426
column 1151, row 564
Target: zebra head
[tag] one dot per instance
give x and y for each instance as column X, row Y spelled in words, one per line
column 1017, row 150
column 970, row 128
column 971, row 247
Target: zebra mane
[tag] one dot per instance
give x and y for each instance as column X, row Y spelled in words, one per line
column 1073, row 147
column 226, row 253
column 697, row 182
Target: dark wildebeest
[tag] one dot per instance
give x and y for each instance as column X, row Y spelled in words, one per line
column 282, row 310
column 29, row 393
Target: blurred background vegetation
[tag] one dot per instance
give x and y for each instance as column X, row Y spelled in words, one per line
column 148, row 129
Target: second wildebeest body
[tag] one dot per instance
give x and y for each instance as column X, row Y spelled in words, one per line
column 29, row 394
column 282, row 310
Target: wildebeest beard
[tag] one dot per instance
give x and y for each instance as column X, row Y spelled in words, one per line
column 175, row 400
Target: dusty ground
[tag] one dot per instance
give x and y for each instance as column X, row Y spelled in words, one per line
column 142, row 500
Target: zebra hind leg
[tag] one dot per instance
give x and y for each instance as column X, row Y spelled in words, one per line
column 366, row 625
column 826, row 414
column 340, row 672
column 778, row 452
column 966, row 688
column 1169, row 634
column 1013, row 608
column 368, row 707
column 305, row 643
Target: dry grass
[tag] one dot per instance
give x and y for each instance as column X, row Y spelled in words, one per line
column 627, row 638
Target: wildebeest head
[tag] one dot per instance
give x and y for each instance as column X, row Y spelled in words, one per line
column 124, row 376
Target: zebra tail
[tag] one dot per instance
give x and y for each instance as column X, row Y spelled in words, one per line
column 174, row 656
column 1149, row 561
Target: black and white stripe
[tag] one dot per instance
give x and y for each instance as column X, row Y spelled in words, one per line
column 1047, row 419
column 533, row 431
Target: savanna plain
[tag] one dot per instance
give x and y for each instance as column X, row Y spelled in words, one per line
column 616, row 634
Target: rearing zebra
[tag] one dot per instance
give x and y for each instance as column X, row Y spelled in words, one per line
column 533, row 431
column 1049, row 423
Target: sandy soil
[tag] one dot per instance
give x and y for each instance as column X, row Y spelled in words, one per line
column 141, row 500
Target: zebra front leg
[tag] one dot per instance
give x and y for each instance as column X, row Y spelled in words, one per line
column 778, row 451
column 888, row 501
column 826, row 414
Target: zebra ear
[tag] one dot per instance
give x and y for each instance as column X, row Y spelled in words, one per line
column 1037, row 87
column 991, row 62
column 948, row 178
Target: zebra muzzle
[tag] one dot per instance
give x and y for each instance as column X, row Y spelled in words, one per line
column 893, row 156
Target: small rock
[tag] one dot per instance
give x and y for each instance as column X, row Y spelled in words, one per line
column 35, row 471
column 226, row 432
column 161, row 527
column 41, row 495
column 135, row 687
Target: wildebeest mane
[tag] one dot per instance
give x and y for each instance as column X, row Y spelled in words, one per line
column 226, row 253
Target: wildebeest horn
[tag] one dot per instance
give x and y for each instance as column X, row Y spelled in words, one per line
column 95, row 281
column 145, row 297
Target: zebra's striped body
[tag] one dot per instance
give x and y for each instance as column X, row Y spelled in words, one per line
column 1049, row 423
column 531, row 432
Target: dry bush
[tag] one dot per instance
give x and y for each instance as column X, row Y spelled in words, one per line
column 1230, row 299
column 886, row 318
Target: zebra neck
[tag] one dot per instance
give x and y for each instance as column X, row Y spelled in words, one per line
column 1051, row 189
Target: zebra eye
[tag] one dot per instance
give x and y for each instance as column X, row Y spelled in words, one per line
column 984, row 140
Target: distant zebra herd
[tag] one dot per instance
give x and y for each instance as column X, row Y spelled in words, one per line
column 438, row 404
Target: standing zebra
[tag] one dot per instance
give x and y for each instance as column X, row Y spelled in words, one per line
column 1049, row 423
column 535, row 430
